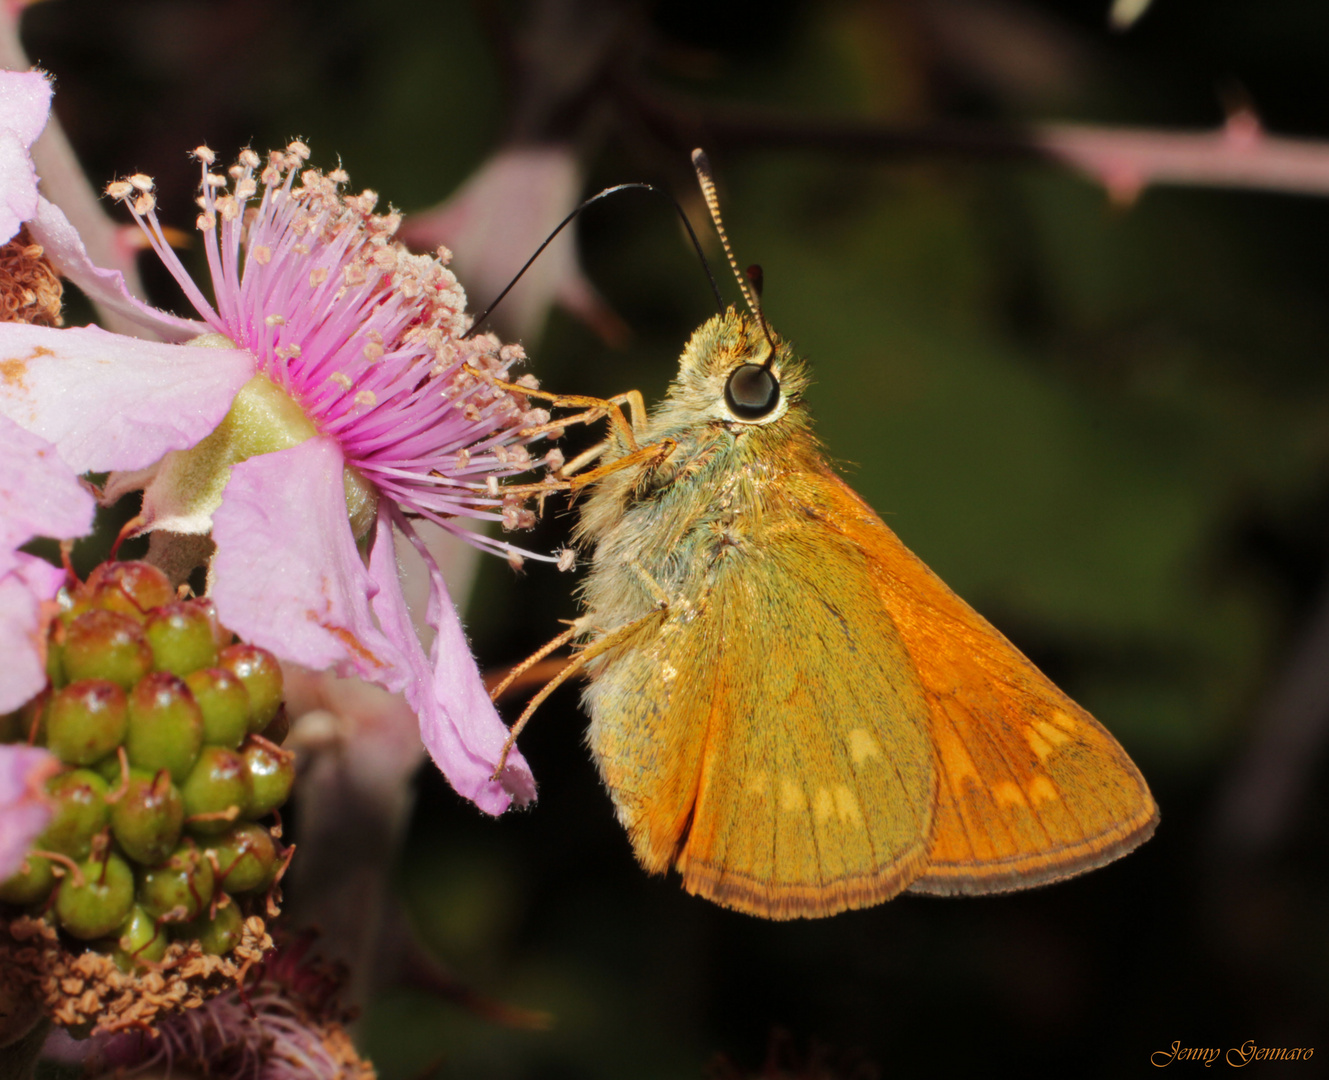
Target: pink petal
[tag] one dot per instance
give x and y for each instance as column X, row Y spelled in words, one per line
column 111, row 402
column 458, row 722
column 25, row 103
column 106, row 288
column 41, row 578
column 22, row 590
column 39, row 494
column 287, row 574
column 24, row 809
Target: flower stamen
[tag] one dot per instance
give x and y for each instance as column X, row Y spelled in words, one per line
column 362, row 334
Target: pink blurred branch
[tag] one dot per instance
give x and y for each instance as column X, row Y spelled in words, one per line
column 1124, row 160
column 1240, row 154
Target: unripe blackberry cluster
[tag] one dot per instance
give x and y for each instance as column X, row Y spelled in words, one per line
column 170, row 737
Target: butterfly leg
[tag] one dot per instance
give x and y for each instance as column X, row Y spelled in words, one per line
column 611, row 640
column 589, row 416
column 645, row 456
column 652, row 586
column 544, row 650
column 637, row 417
column 585, row 458
column 626, row 428
column 594, row 407
column 648, row 457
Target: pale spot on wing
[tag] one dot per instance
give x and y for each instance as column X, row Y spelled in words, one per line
column 1043, row 790
column 1055, row 735
column 792, row 798
column 1037, row 743
column 1063, row 720
column 1008, row 794
column 862, row 745
column 757, row 783
column 846, row 806
column 823, row 806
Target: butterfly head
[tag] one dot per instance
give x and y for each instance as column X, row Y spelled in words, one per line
column 733, row 372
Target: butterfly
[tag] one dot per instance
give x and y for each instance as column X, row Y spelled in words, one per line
column 787, row 706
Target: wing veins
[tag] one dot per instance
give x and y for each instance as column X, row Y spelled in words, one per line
column 702, row 759
column 968, row 836
column 1006, row 764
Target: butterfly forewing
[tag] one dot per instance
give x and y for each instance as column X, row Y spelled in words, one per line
column 1031, row 788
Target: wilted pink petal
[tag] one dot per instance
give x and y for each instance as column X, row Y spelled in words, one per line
column 112, row 402
column 42, row 578
column 62, row 244
column 24, row 811
column 39, row 496
column 30, row 583
column 25, row 102
column 287, row 574
column 458, row 722
column 22, row 591
column 39, row 493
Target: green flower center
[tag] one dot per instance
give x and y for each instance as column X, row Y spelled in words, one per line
column 262, row 419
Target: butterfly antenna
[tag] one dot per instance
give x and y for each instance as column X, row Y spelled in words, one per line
column 696, row 244
column 751, row 290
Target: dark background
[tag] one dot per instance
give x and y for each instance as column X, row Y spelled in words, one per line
column 1106, row 426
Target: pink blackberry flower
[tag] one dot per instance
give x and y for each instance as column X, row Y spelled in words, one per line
column 335, row 403
column 366, row 409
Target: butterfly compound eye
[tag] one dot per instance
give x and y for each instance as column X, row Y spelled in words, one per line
column 751, row 392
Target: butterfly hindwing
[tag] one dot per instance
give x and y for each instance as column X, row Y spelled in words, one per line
column 767, row 737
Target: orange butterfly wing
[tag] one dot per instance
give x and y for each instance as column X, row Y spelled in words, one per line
column 817, row 722
column 1031, row 788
